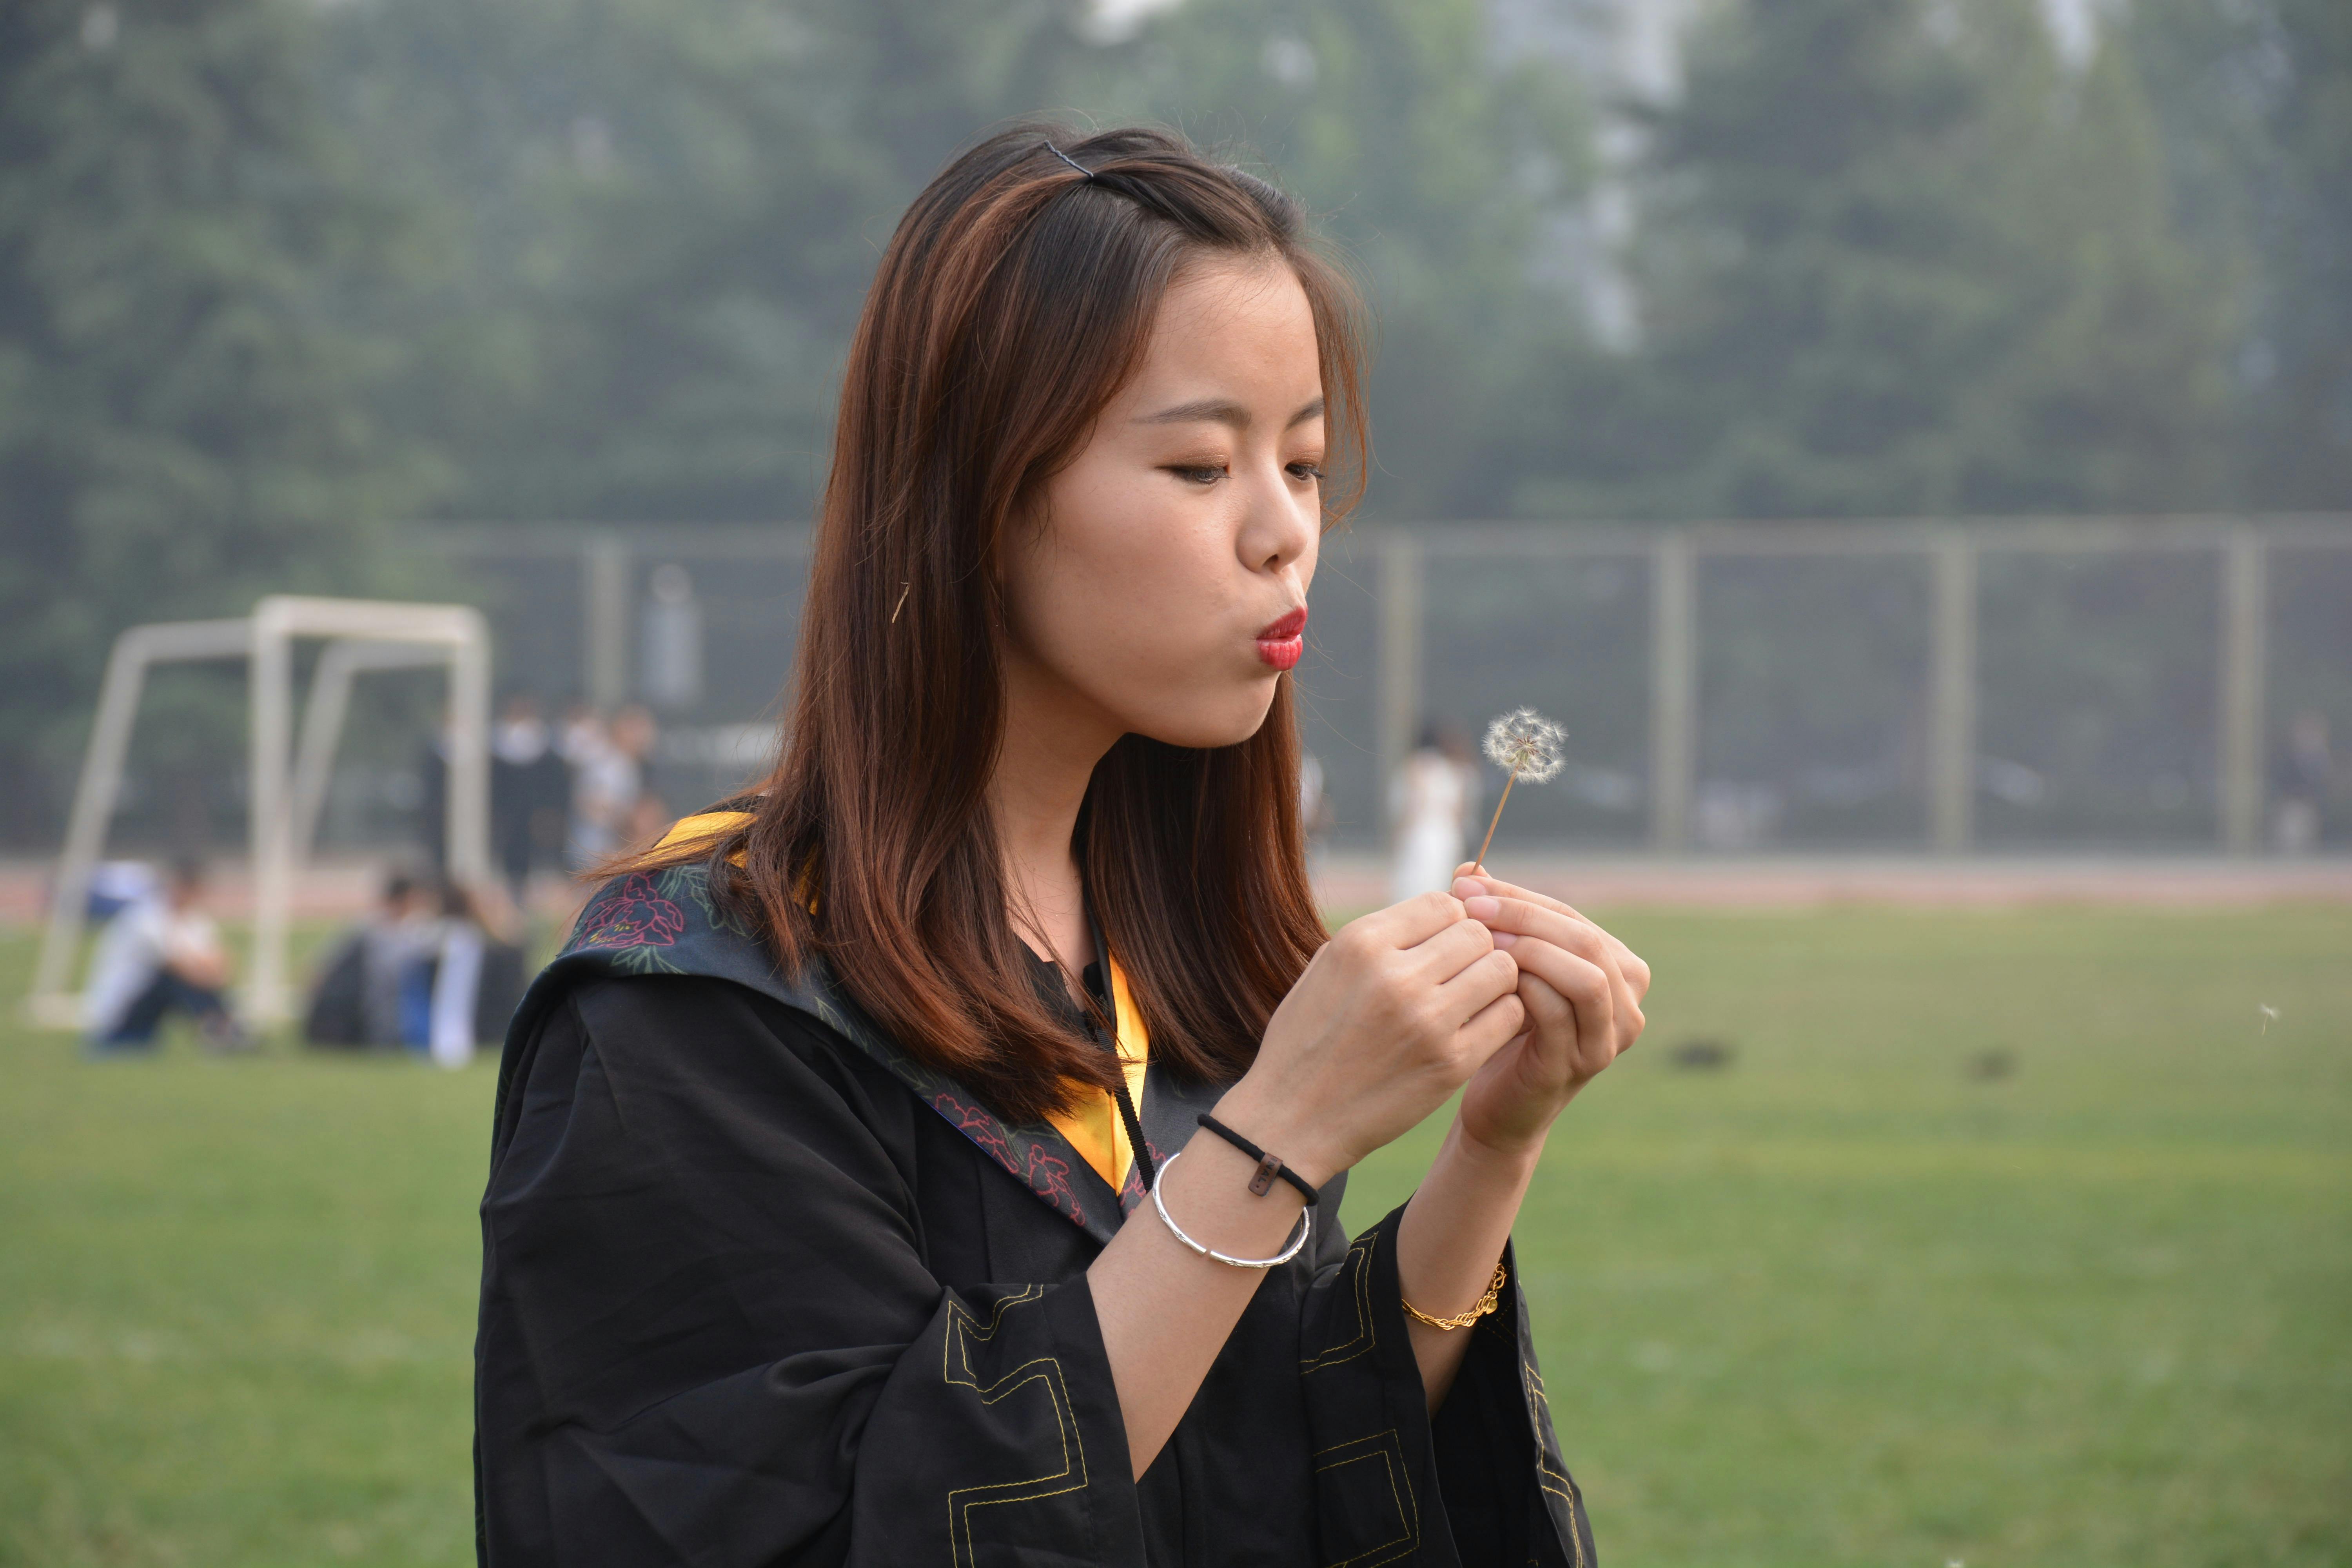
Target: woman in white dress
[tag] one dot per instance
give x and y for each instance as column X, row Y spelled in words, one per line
column 1432, row 801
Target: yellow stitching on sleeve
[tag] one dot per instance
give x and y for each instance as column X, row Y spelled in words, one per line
column 1367, row 1331
column 962, row 1330
column 1557, row 1482
column 967, row 1327
column 1388, row 1450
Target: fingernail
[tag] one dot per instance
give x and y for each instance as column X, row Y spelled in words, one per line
column 1483, row 908
column 1466, row 887
column 1506, row 939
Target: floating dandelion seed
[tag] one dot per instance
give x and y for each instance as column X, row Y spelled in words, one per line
column 2270, row 1014
column 1524, row 744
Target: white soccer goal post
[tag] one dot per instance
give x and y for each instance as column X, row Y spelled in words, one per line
column 362, row 635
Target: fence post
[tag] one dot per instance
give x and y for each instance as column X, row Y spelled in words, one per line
column 270, row 838
column 2245, row 592
column 1674, row 689
column 1952, row 693
column 1399, row 654
column 604, row 620
column 466, row 831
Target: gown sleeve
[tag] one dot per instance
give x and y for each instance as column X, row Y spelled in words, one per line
column 1483, row 1482
column 708, row 1335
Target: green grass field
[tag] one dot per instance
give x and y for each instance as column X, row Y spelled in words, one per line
column 1845, row 1301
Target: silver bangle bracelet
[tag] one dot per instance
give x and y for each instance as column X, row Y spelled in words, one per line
column 1306, row 1228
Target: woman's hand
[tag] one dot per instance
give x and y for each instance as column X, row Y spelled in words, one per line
column 1582, row 991
column 1386, row 1022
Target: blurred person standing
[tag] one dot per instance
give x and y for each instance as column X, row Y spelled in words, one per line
column 1315, row 813
column 521, row 749
column 581, row 731
column 433, row 801
column 2300, row 781
column 608, row 775
column 649, row 818
column 548, row 821
column 158, row 955
column 1431, row 802
column 583, row 745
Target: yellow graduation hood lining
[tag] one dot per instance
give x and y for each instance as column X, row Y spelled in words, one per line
column 1095, row 1127
column 703, row 824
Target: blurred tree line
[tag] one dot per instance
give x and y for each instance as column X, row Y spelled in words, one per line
column 190, row 407
column 276, row 272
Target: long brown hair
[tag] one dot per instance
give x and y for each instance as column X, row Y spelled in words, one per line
column 1015, row 301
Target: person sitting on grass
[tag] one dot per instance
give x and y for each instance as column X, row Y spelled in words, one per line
column 463, row 985
column 159, row 956
column 356, row 999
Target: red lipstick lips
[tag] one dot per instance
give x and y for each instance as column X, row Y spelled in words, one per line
column 1279, row 643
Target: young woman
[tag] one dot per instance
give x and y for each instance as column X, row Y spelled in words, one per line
column 852, row 1199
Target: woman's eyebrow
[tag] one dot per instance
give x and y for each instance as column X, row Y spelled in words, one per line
column 1200, row 411
column 1222, row 411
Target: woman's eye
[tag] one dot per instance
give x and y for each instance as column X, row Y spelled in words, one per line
column 1192, row 474
column 1304, row 472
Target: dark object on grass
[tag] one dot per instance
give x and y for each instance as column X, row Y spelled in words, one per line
column 1701, row 1056
column 1988, row 1067
column 338, row 1011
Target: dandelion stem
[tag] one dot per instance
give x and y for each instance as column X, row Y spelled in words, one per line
column 1480, row 863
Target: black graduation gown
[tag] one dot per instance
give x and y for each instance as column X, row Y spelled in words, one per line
column 760, row 1289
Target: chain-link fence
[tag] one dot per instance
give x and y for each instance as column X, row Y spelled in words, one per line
column 2000, row 685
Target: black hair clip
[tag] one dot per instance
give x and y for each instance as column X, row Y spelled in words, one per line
column 1073, row 162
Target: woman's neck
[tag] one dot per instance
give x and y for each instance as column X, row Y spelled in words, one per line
column 1053, row 739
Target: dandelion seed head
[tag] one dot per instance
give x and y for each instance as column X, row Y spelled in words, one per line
column 1525, row 743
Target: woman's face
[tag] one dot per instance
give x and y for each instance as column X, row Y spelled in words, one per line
column 1163, row 587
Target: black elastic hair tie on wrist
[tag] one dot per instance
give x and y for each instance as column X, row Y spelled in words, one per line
column 1269, row 1166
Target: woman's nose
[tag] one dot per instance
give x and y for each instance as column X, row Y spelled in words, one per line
column 1283, row 521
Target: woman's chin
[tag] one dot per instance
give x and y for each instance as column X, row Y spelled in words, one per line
column 1206, row 728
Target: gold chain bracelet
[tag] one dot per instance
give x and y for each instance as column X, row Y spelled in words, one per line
column 1486, row 1305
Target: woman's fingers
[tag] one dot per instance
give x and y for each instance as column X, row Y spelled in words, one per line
column 1630, row 964
column 1588, row 1034
column 1448, row 952
column 1636, row 970
column 1491, row 974
column 1543, row 941
column 1551, row 1019
column 1489, row 1029
column 1571, row 985
column 1519, row 917
column 1491, row 883
column 1412, row 922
